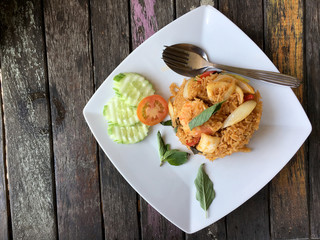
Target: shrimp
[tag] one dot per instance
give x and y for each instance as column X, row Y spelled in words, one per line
column 189, row 110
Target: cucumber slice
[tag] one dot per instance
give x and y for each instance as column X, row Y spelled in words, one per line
column 132, row 87
column 128, row 134
column 118, row 112
column 123, row 123
column 119, row 77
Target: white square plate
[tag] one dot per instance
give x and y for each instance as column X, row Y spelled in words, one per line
column 169, row 189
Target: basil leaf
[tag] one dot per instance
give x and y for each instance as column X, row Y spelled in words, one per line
column 169, row 153
column 167, row 147
column 205, row 192
column 204, row 115
column 161, row 145
column 166, row 123
column 175, row 157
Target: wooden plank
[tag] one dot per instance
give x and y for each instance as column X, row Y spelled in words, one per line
column 183, row 7
column 26, row 118
column 251, row 220
column 4, row 210
column 111, row 44
column 147, row 17
column 214, row 231
column 288, row 190
column 313, row 99
column 69, row 60
column 247, row 15
column 155, row 226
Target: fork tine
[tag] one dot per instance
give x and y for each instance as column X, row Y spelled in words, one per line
column 176, row 50
column 178, row 59
column 175, row 64
column 175, row 56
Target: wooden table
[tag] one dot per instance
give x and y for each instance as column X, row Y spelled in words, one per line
column 55, row 182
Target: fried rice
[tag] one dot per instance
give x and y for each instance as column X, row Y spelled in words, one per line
column 211, row 139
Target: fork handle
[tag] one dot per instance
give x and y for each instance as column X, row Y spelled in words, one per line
column 268, row 76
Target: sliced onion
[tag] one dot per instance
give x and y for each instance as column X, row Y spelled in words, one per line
column 240, row 113
column 214, row 86
column 185, row 90
column 246, row 87
column 240, row 94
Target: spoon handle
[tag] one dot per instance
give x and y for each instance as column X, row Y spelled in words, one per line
column 267, row 76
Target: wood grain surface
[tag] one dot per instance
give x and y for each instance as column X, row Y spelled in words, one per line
column 74, row 148
column 288, row 190
column 111, row 44
column 56, row 183
column 4, row 208
column 313, row 98
column 183, row 7
column 26, row 121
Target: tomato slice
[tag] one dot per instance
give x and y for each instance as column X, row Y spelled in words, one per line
column 152, row 110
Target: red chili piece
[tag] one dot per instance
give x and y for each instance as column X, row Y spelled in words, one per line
column 248, row 97
column 206, row 74
column 193, row 142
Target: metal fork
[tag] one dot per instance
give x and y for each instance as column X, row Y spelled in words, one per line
column 185, row 61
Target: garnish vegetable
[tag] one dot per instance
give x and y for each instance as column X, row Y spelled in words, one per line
column 172, row 156
column 127, row 134
column 152, row 110
column 121, row 110
column 132, row 87
column 206, row 74
column 204, row 115
column 205, row 192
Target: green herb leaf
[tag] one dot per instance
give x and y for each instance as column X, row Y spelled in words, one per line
column 204, row 115
column 166, row 123
column 161, row 145
column 205, row 192
column 175, row 157
column 167, row 147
